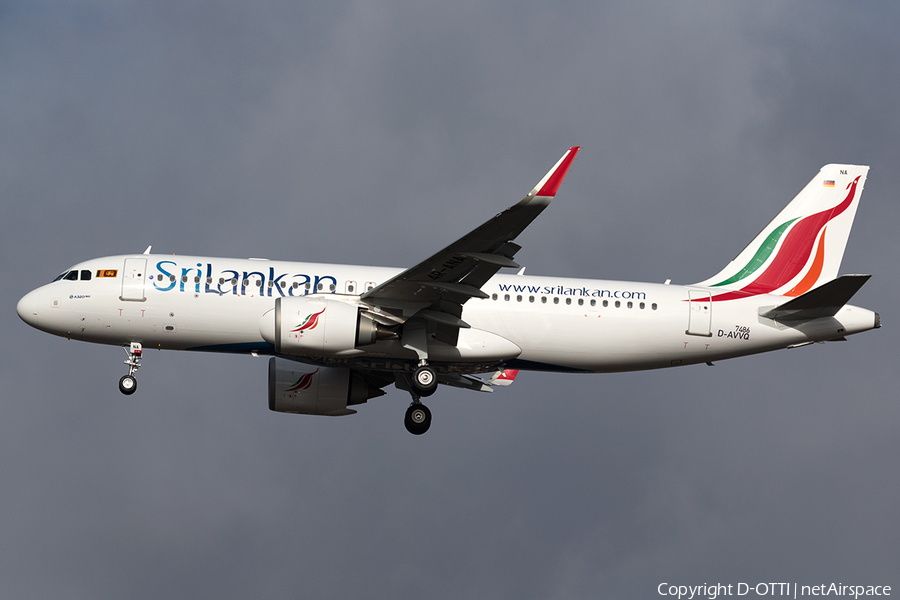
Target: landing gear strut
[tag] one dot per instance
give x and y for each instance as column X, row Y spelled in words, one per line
column 128, row 383
column 424, row 380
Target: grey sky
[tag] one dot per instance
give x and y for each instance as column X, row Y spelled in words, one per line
column 376, row 133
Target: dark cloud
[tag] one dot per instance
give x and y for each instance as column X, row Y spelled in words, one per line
column 375, row 133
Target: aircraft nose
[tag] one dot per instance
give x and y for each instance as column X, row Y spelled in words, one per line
column 27, row 308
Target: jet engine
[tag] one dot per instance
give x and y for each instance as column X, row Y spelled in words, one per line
column 309, row 390
column 317, row 326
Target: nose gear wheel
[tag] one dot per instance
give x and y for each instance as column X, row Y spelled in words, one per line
column 128, row 383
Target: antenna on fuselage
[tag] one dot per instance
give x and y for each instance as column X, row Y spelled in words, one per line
column 147, row 251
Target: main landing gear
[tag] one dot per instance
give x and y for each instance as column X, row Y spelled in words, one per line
column 418, row 418
column 128, row 383
column 425, row 379
column 424, row 382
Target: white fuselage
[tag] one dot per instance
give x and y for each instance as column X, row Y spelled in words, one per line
column 560, row 324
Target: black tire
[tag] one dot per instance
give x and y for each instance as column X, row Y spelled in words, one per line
column 418, row 419
column 127, row 385
column 425, row 380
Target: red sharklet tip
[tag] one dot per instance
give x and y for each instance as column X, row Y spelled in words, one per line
column 551, row 186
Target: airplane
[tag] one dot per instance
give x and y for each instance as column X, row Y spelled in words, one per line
column 338, row 335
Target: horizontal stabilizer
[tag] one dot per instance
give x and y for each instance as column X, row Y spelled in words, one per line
column 824, row 301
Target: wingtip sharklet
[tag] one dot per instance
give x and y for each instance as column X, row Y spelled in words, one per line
column 549, row 185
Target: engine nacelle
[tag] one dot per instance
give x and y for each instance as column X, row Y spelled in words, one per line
column 316, row 326
column 309, row 390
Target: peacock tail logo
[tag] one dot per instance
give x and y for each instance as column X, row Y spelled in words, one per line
column 309, row 323
column 792, row 256
column 303, row 383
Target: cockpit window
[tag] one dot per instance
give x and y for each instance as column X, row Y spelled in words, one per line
column 71, row 276
column 60, row 276
column 85, row 275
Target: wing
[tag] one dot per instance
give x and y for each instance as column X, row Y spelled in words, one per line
column 436, row 288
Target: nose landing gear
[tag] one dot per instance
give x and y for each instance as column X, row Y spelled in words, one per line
column 128, row 383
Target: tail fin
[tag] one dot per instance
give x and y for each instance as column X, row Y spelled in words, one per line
column 803, row 246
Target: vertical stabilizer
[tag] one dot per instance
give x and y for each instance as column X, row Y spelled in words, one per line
column 803, row 246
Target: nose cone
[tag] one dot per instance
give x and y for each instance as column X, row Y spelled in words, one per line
column 28, row 308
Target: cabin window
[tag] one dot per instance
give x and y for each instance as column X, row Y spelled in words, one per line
column 581, row 302
column 506, row 297
column 234, row 281
column 630, row 304
column 642, row 305
column 531, row 298
column 605, row 303
column 259, row 283
column 331, row 287
column 493, row 296
column 593, row 302
column 556, row 301
column 618, row 304
column 518, row 298
column 197, row 279
column 543, row 299
column 653, row 306
column 568, row 301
